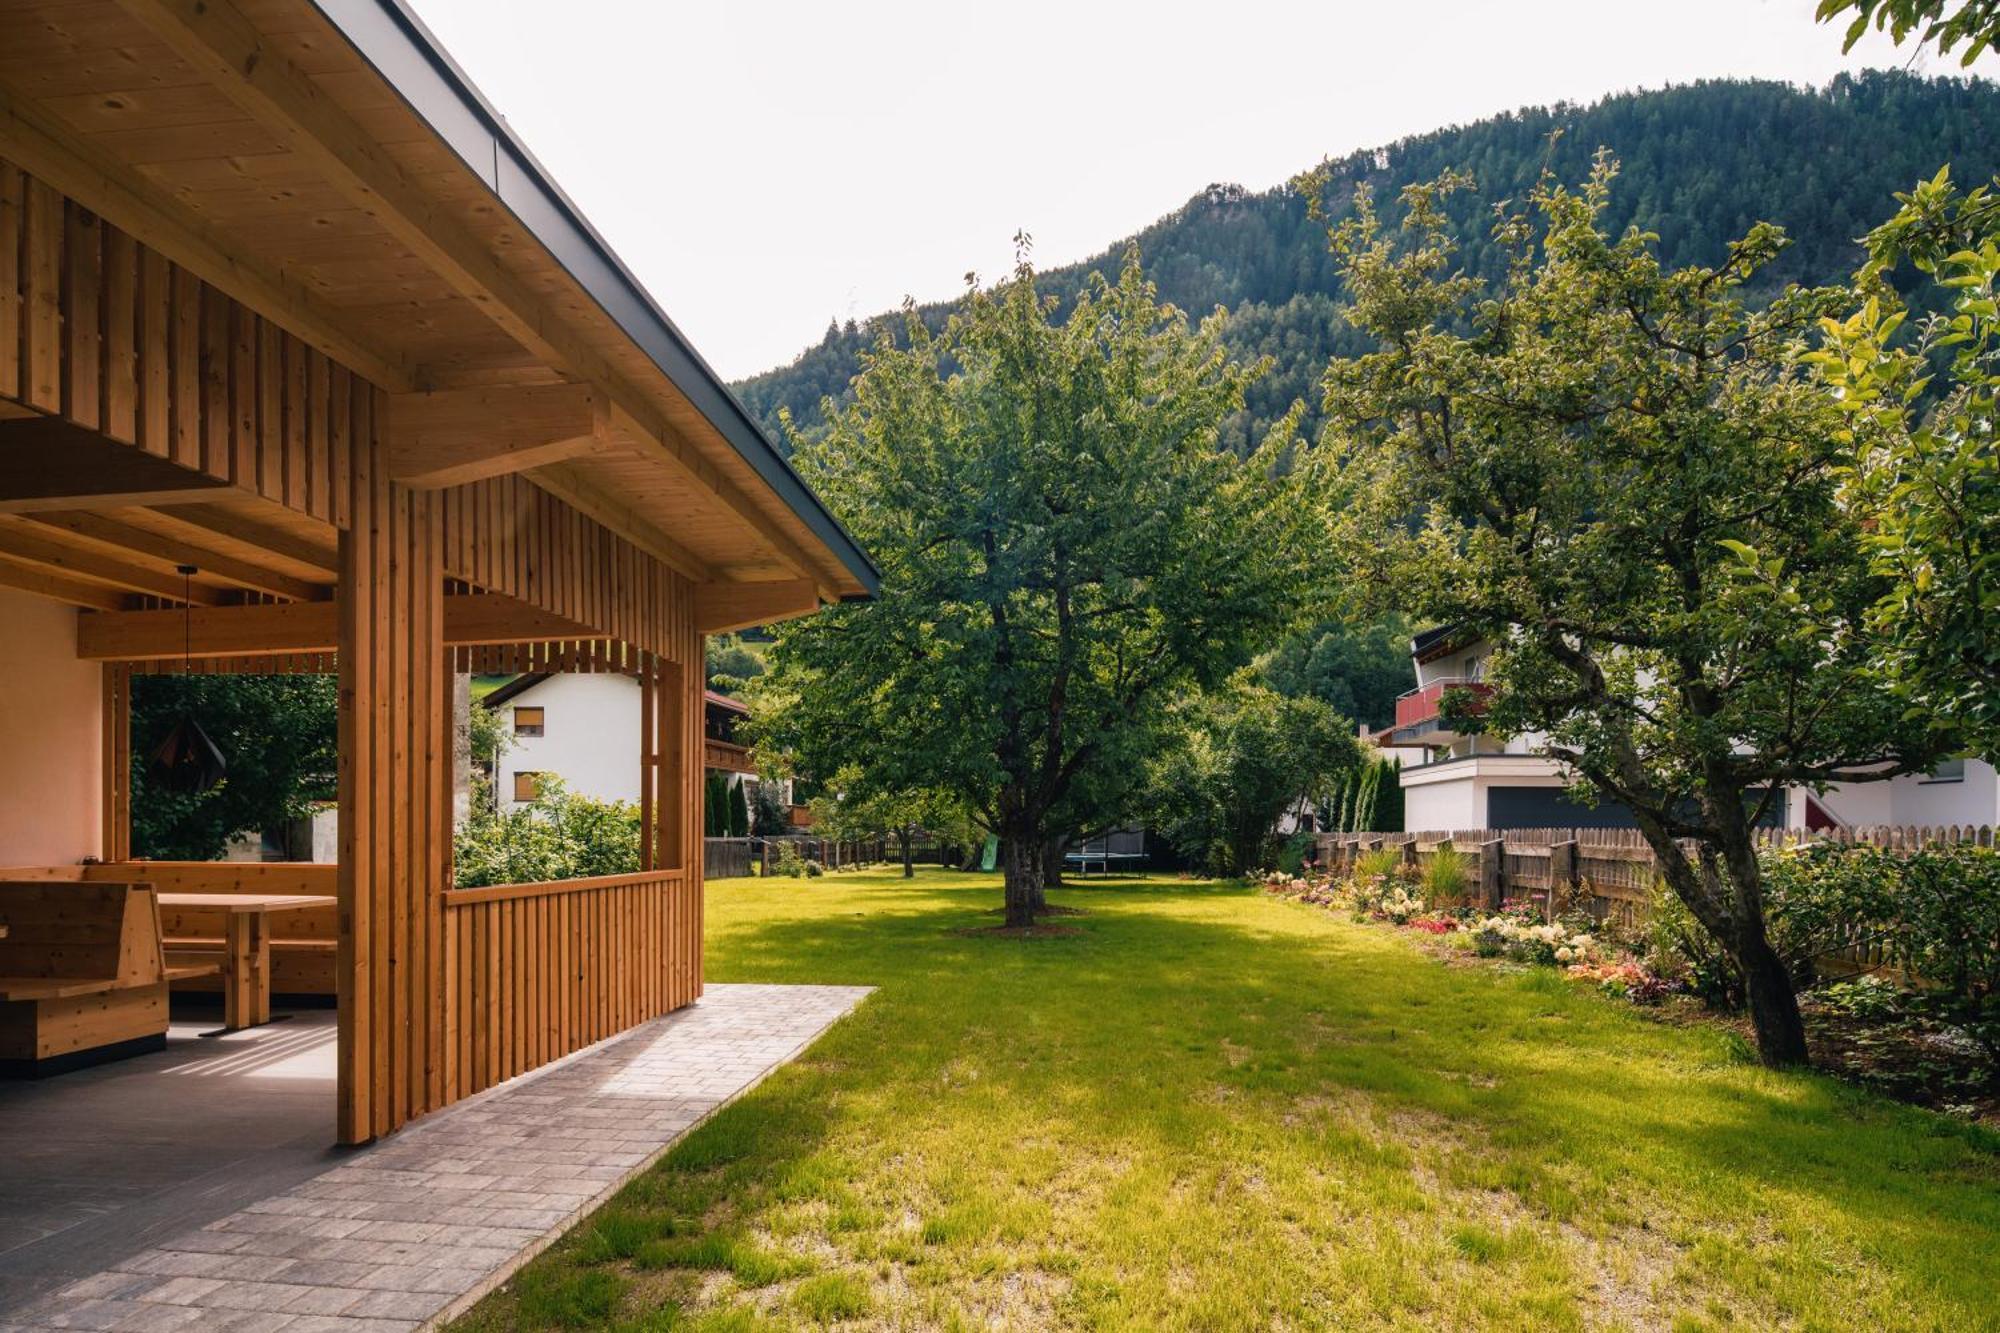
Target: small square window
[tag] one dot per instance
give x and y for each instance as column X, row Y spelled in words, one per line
column 527, row 786
column 527, row 721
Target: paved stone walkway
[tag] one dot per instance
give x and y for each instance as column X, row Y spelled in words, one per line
column 413, row 1230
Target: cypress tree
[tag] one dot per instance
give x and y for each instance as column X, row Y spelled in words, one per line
column 1389, row 799
column 739, row 811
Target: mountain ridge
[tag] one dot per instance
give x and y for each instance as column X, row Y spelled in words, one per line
column 1699, row 163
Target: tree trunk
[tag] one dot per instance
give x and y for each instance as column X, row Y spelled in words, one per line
column 1052, row 864
column 1774, row 1006
column 1735, row 918
column 906, row 844
column 1021, row 869
column 1767, row 983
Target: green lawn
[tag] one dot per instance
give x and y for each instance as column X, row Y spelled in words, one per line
column 1212, row 1109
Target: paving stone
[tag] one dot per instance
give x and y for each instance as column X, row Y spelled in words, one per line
column 404, row 1230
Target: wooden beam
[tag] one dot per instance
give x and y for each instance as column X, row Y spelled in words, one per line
column 115, row 191
column 722, row 607
column 217, row 40
column 40, row 580
column 270, row 536
column 300, row 627
column 47, row 463
column 32, row 545
column 111, row 532
column 567, row 483
column 455, row 436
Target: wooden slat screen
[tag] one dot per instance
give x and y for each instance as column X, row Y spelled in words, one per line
column 541, row 970
column 112, row 336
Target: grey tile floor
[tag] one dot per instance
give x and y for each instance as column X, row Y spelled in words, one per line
column 402, row 1234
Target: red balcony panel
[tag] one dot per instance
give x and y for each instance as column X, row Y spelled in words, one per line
column 1421, row 704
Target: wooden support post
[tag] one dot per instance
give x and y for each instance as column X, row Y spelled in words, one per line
column 1492, row 873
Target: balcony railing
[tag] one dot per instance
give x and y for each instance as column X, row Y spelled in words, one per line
column 1421, row 704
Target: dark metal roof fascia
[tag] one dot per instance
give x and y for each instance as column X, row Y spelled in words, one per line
column 395, row 42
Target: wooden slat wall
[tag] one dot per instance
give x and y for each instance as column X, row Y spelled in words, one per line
column 395, row 795
column 507, row 535
column 112, row 336
column 541, row 970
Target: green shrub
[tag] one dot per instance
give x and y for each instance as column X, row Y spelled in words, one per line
column 1933, row 912
column 1680, row 947
column 559, row 835
column 1445, row 878
column 789, row 861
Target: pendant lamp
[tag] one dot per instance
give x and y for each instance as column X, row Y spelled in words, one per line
column 187, row 761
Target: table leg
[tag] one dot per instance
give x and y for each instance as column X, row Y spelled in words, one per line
column 246, row 983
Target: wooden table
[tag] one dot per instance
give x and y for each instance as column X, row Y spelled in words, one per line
column 246, row 969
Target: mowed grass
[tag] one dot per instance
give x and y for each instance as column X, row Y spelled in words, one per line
column 1211, row 1109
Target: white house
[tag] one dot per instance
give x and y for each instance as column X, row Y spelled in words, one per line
column 1475, row 781
column 584, row 729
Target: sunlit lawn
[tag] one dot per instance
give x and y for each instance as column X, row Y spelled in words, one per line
column 1211, row 1109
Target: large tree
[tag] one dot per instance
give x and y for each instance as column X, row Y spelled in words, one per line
column 1063, row 547
column 1627, row 482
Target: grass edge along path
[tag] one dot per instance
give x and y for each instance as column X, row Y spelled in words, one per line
column 1210, row 1108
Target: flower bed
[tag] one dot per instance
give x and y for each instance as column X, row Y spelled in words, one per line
column 1931, row 1044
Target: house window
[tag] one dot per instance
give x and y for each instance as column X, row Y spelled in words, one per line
column 527, row 786
column 1951, row 770
column 527, row 721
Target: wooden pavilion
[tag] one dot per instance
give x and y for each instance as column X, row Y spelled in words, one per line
column 282, row 298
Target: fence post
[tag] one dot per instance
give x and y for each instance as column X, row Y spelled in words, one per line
column 1492, row 872
column 1562, row 868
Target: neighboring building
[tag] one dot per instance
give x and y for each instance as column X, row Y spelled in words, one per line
column 1956, row 792
column 584, row 729
column 1474, row 781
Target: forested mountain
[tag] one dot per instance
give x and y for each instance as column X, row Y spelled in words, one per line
column 1699, row 165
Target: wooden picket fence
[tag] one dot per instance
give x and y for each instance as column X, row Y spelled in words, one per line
column 723, row 858
column 1608, row 872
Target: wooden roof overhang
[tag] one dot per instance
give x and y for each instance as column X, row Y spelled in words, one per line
column 326, row 168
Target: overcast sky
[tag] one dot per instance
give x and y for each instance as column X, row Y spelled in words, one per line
column 764, row 167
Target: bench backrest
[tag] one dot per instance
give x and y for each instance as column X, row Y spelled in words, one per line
column 80, row 932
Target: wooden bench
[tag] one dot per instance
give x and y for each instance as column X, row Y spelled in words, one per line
column 83, row 975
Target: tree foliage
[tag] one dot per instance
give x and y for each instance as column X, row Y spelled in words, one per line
column 1926, row 455
column 1627, row 482
column 275, row 732
column 1943, row 23
column 1063, row 548
column 1244, row 756
column 1356, row 670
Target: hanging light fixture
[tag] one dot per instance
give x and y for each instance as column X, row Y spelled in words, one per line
column 187, row 761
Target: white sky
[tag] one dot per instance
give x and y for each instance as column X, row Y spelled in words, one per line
column 763, row 166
